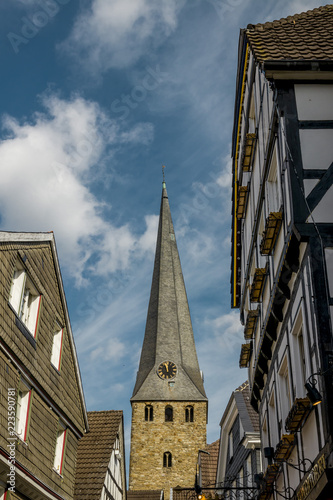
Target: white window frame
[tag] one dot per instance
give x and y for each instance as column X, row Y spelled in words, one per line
column 301, row 359
column 23, row 407
column 231, row 445
column 285, row 388
column 57, row 346
column 59, row 455
column 273, row 420
column 25, row 300
column 249, row 478
column 272, row 186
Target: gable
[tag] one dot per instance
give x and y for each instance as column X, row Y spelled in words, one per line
column 59, row 385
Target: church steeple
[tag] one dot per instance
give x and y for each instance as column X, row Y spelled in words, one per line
column 169, row 404
column 168, row 335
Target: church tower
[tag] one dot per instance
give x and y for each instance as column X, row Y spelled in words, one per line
column 169, row 404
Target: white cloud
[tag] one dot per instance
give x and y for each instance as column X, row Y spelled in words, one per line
column 147, row 241
column 47, row 165
column 116, row 34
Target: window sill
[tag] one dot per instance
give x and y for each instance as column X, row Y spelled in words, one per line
column 55, row 368
column 21, row 442
column 58, row 473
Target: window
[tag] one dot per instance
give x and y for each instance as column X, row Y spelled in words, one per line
column 241, row 430
column 272, row 188
column 189, row 414
column 57, row 347
column 300, row 352
column 167, row 459
column 60, row 448
column 272, row 421
column 23, row 410
column 252, row 118
column 149, row 413
column 168, row 414
column 230, row 445
column 25, row 300
column 241, row 483
column 249, row 471
column 285, row 393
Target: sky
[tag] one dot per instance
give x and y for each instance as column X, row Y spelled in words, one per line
column 97, row 95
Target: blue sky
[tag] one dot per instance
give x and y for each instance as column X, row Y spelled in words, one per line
column 95, row 96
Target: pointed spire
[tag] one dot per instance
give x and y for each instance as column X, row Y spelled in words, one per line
column 169, row 334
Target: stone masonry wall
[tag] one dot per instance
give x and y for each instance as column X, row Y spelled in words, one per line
column 150, row 440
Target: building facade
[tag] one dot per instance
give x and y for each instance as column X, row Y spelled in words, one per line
column 282, row 244
column 239, row 451
column 42, row 408
column 169, row 404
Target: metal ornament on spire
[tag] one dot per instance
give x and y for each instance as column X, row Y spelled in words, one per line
column 163, row 173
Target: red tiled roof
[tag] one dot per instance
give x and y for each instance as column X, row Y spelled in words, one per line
column 305, row 36
column 144, row 494
column 94, row 452
column 209, row 464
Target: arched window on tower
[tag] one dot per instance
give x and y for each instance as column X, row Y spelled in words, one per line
column 149, row 413
column 189, row 414
column 168, row 414
column 167, row 459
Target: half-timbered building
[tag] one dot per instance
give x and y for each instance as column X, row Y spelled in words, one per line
column 239, row 457
column 282, row 244
column 42, row 408
column 100, row 470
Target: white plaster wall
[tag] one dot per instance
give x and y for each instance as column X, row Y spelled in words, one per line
column 329, row 268
column 310, row 437
column 317, row 148
column 324, row 210
column 314, row 102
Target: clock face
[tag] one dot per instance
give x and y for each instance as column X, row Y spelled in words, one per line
column 167, row 370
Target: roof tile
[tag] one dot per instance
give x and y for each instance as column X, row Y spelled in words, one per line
column 305, row 36
column 94, row 452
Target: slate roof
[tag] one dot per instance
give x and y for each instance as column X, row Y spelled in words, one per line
column 305, row 36
column 249, row 418
column 209, row 464
column 145, row 494
column 168, row 334
column 94, row 452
